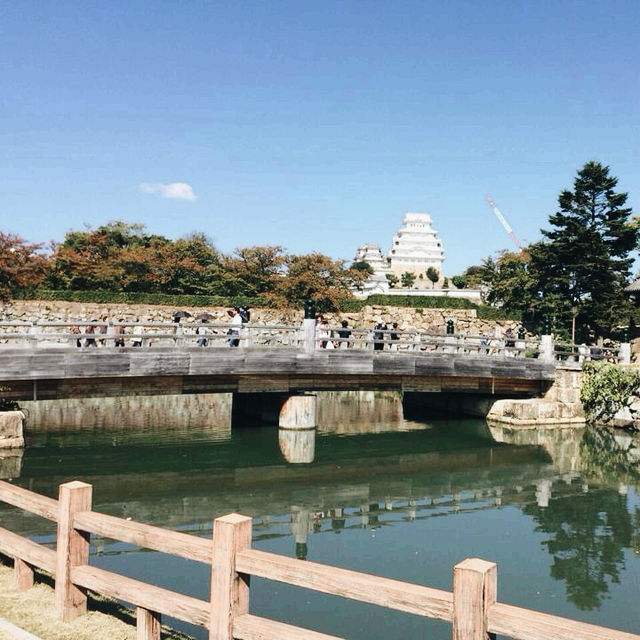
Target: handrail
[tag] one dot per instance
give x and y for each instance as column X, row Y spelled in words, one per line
column 29, row 501
column 109, row 334
column 142, row 594
column 384, row 592
column 148, row 536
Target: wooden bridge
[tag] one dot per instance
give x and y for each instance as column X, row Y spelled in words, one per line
column 51, row 361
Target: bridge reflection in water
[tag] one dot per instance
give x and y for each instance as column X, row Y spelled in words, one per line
column 384, row 494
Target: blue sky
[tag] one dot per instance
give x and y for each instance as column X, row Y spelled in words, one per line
column 314, row 125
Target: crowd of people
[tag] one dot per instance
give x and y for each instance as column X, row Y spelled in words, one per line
column 94, row 333
column 341, row 338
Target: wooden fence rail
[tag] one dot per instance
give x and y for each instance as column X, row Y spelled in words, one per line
column 471, row 607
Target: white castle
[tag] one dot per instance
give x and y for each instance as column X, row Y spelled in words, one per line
column 414, row 248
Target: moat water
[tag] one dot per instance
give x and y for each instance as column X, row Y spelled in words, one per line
column 559, row 511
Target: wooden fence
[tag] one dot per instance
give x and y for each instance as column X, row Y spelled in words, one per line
column 471, row 608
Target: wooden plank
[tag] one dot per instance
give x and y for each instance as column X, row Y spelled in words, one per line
column 141, row 594
column 525, row 624
column 145, row 535
column 384, row 592
column 35, row 554
column 248, row 627
column 148, row 624
column 72, row 550
column 474, row 590
column 23, row 574
column 229, row 589
column 29, row 501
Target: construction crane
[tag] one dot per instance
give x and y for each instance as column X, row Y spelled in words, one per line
column 503, row 221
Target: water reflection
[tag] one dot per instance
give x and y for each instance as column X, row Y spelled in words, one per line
column 451, row 488
column 587, row 535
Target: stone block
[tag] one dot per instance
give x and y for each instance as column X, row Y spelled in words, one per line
column 11, row 429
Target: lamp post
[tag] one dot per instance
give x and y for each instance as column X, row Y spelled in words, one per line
column 574, row 313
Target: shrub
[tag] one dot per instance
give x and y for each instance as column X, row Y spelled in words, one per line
column 137, row 297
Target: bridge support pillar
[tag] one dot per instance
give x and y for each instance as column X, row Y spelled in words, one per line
column 297, row 428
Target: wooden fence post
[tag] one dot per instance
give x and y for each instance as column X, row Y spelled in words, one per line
column 72, row 549
column 23, row 574
column 148, row 624
column 229, row 589
column 474, row 591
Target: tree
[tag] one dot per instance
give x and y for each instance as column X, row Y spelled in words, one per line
column 459, row 282
column 407, row 279
column 255, row 270
column 21, row 264
column 363, row 265
column 315, row 276
column 476, row 276
column 511, row 284
column 392, row 279
column 585, row 261
column 434, row 275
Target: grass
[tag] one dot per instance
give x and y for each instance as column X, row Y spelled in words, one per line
column 34, row 611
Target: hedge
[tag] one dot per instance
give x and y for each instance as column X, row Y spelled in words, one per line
column 351, row 305
column 484, row 312
column 137, row 297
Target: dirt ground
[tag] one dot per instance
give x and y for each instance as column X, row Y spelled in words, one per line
column 33, row 611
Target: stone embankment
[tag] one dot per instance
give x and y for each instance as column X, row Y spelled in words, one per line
column 559, row 406
column 429, row 320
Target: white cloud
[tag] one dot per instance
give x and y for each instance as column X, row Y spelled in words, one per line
column 173, row 190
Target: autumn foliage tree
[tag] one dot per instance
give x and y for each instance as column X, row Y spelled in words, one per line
column 22, row 265
column 124, row 257
column 318, row 277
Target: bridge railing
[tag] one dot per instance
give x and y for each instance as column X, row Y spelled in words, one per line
column 252, row 335
column 472, row 607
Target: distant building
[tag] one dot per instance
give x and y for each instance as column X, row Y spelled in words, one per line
column 371, row 254
column 415, row 247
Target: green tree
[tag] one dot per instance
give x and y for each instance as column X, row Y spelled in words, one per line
column 585, row 260
column 363, row 265
column 392, row 279
column 434, row 275
column 407, row 279
column 476, row 276
column 511, row 283
column 459, row 282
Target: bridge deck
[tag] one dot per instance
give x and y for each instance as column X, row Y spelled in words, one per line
column 56, row 373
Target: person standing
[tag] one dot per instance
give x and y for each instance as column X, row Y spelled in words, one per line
column 90, row 330
column 236, row 324
column 344, row 334
column 378, row 336
column 393, row 336
column 118, row 331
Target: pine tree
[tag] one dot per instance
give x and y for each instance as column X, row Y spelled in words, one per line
column 585, row 261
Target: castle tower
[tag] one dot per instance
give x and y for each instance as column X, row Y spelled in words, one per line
column 416, row 247
column 377, row 283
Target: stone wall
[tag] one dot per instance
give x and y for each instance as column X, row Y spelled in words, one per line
column 430, row 320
